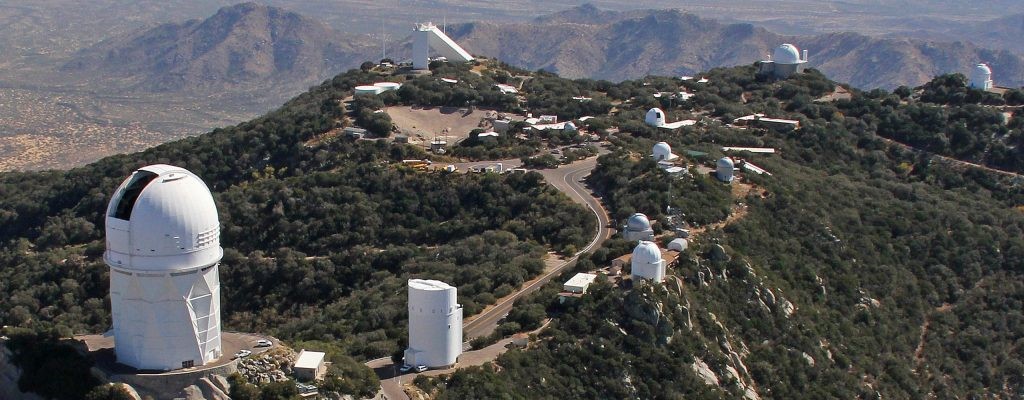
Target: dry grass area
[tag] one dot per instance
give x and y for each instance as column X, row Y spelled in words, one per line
column 421, row 124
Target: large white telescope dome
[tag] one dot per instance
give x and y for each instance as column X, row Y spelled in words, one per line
column 786, row 54
column 162, row 218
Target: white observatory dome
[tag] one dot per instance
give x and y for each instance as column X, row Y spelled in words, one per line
column 724, row 172
column 662, row 151
column 655, row 117
column 786, row 54
column 162, row 218
column 569, row 127
column 638, row 227
column 163, row 250
column 981, row 77
column 646, row 262
column 638, row 222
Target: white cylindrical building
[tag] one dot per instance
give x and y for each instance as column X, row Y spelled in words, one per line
column 435, row 324
column 655, row 117
column 646, row 262
column 981, row 77
column 724, row 171
column 163, row 250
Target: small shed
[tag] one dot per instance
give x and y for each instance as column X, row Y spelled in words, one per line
column 310, row 365
column 579, row 283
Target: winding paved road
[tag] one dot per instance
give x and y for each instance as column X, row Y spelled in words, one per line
column 567, row 179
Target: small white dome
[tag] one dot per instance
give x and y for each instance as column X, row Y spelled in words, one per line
column 638, row 222
column 786, row 54
column 655, row 117
column 162, row 218
column 662, row 151
column 569, row 127
column 726, row 162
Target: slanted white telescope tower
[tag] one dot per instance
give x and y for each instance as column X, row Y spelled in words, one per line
column 427, row 36
column 435, row 324
column 163, row 249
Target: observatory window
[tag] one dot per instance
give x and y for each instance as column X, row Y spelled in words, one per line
column 131, row 193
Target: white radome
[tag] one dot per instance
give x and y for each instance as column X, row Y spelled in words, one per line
column 638, row 222
column 163, row 250
column 786, row 54
column 725, row 169
column 662, row 152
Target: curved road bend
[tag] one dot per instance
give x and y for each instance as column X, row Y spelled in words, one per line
column 567, row 179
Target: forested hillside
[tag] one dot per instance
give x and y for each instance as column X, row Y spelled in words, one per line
column 867, row 265
column 320, row 232
column 859, row 269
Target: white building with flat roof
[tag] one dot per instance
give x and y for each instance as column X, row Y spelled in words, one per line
column 579, row 283
column 310, row 365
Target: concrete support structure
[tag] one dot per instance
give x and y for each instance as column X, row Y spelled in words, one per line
column 427, row 36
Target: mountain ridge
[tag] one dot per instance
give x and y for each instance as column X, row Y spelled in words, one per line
column 586, row 42
column 241, row 46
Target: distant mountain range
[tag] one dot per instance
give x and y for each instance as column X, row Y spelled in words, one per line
column 588, row 42
column 243, row 46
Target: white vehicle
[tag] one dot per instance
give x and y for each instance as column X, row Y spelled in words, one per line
column 264, row 343
column 243, row 353
column 421, row 368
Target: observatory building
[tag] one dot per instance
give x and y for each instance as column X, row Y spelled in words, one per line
column 638, row 227
column 724, row 170
column 163, row 249
column 646, row 262
column 656, row 117
column 435, row 324
column 785, row 61
column 981, row 77
column 662, row 152
column 427, row 36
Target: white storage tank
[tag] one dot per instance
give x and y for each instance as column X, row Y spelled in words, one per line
column 367, row 89
column 163, row 250
column 646, row 262
column 435, row 324
column 386, row 86
column 724, row 170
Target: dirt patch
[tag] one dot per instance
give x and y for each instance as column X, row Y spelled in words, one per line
column 422, row 124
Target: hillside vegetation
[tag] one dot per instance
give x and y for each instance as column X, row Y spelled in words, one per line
column 861, row 268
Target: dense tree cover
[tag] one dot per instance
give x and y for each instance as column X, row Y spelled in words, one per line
column 320, row 232
column 368, row 111
column 946, row 118
column 505, row 146
column 631, row 183
column 470, row 90
column 904, row 273
column 53, row 368
column 605, row 346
